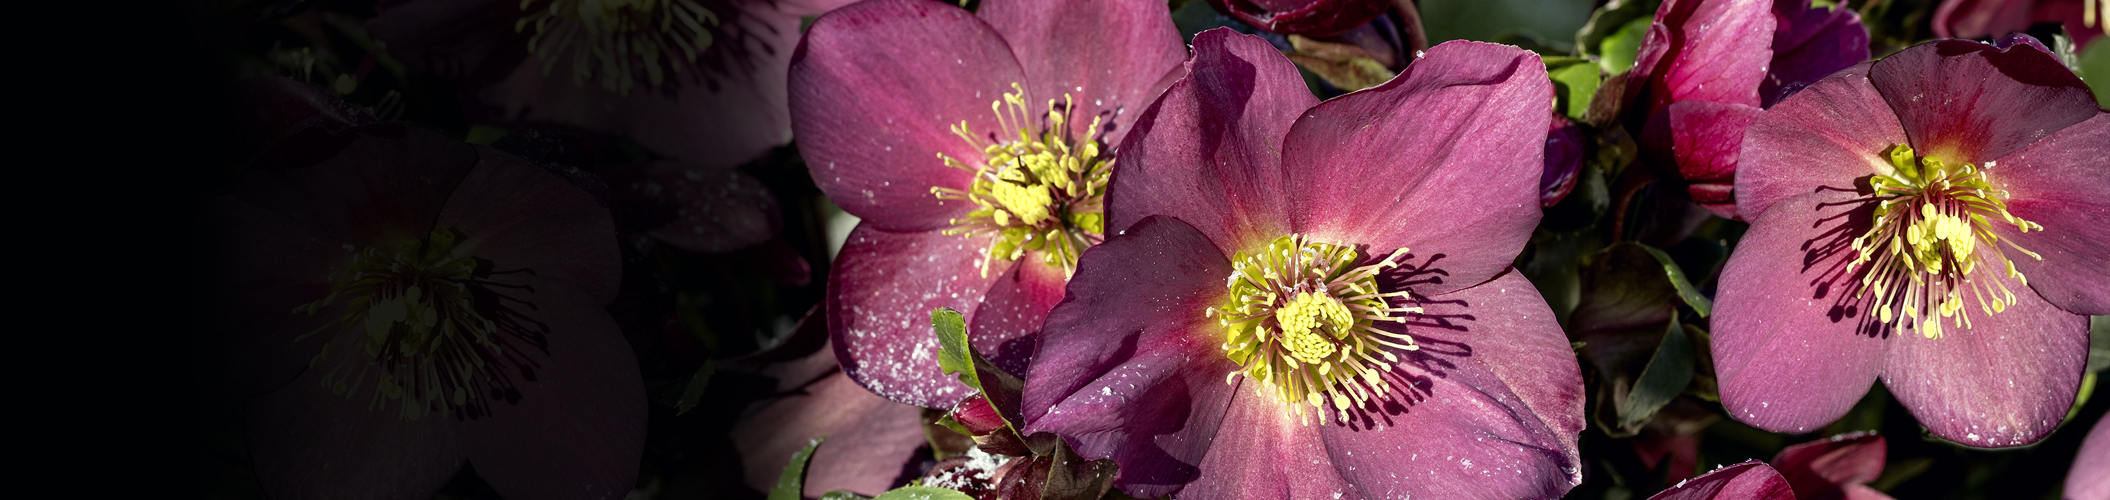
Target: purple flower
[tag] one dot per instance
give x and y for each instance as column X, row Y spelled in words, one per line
column 976, row 149
column 1996, row 18
column 398, row 301
column 1564, row 160
column 1826, row 469
column 1706, row 69
column 1934, row 218
column 1752, row 480
column 2090, row 475
column 870, row 440
column 1313, row 18
column 1315, row 299
column 698, row 80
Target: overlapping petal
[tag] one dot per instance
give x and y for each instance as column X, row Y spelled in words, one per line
column 1829, row 133
column 2005, row 381
column 2058, row 182
column 879, row 301
column 1986, row 102
column 1702, row 50
column 1107, row 55
column 1810, row 42
column 2090, row 475
column 1752, row 480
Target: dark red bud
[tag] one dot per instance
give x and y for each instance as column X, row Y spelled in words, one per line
column 1313, row 18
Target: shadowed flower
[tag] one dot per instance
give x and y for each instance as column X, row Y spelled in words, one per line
column 872, row 443
column 1706, row 69
column 2089, row 478
column 976, row 149
column 698, row 80
column 1826, row 469
column 399, row 301
column 1315, row 300
column 1564, row 160
column 1998, row 18
column 1313, row 18
column 1934, row 218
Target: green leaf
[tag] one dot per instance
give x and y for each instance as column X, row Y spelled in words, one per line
column 921, row 493
column 1575, row 81
column 1686, row 292
column 955, row 356
column 697, row 383
column 1609, row 19
column 1617, row 52
column 2095, row 71
column 791, row 484
column 843, row 495
column 1666, row 375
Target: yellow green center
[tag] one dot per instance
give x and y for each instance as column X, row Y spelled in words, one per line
column 1037, row 189
column 1299, row 320
column 421, row 334
column 1921, row 257
column 616, row 41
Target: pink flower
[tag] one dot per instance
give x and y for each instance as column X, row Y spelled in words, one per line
column 1315, row 300
column 2089, row 478
column 1998, row 18
column 976, row 148
column 1313, row 18
column 1825, row 469
column 398, row 301
column 1934, row 218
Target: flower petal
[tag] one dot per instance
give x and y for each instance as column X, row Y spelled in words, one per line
column 263, row 266
column 1828, row 134
column 1981, row 18
column 578, row 426
column 1263, row 453
column 1703, row 50
column 1969, row 102
column 870, row 439
column 1794, row 346
column 2006, row 381
column 308, row 442
column 874, row 99
column 1128, row 367
column 1705, row 138
column 1809, row 43
column 1013, row 310
column 1106, row 54
column 1493, row 411
column 2090, row 475
column 1444, row 159
column 1825, row 467
column 522, row 217
column 879, row 302
column 2058, row 182
column 695, row 207
column 371, row 185
column 1208, row 151
column 1751, row 480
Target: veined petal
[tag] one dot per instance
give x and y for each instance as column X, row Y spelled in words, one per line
column 1794, row 346
column 1208, row 151
column 1809, row 43
column 1012, row 311
column 2059, row 183
column 879, row 302
column 1969, row 102
column 870, row 439
column 1444, row 160
column 1705, row 50
column 876, row 88
column 1828, row 134
column 2090, row 475
column 1106, row 54
column 2005, row 381
column 1705, row 139
column 1751, row 480
column 1826, row 467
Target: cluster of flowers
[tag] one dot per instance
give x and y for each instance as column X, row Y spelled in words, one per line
column 1179, row 273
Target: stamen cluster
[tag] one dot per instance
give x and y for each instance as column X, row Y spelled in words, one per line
column 1300, row 321
column 617, row 39
column 1037, row 191
column 1920, row 256
column 420, row 327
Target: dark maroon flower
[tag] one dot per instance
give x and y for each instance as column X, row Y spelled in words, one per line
column 870, row 441
column 1564, row 159
column 1933, row 218
column 1288, row 263
column 976, row 148
column 1751, row 480
column 1825, row 469
column 698, row 80
column 1998, row 18
column 1313, row 18
column 401, row 301
column 695, row 206
column 2090, row 475
column 1706, row 69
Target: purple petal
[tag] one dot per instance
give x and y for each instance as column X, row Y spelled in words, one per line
column 1826, row 135
column 1751, row 480
column 1013, row 310
column 1981, row 18
column 1823, row 468
column 449, row 38
column 308, row 442
column 810, row 7
column 1494, row 409
column 2090, row 475
column 2058, row 182
column 579, row 425
column 1968, row 102
column 1794, row 347
column 1106, row 54
column 1564, row 158
column 2006, row 381
column 1313, row 18
column 263, row 267
column 372, row 185
column 522, row 217
column 879, row 302
column 877, row 86
column 1263, row 453
column 1704, row 50
column 1208, row 151
column 1705, row 139
column 869, row 437
column 705, row 209
column 1128, row 368
column 1444, row 159
column 1809, row 43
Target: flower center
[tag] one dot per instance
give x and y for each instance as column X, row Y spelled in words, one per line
column 1035, row 191
column 616, row 41
column 422, row 329
column 1921, row 254
column 1300, row 320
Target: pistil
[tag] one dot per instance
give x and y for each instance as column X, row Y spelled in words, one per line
column 1920, row 259
column 1037, row 189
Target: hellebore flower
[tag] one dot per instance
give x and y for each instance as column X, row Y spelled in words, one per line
column 975, row 147
column 1997, row 18
column 1934, row 218
column 1825, row 469
column 870, row 440
column 1706, row 69
column 402, row 301
column 1313, row 18
column 1315, row 300
column 1564, row 159
column 2090, row 475
column 698, row 80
